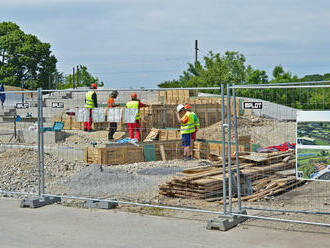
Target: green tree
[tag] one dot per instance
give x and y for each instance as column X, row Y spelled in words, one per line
column 85, row 79
column 215, row 69
column 23, row 57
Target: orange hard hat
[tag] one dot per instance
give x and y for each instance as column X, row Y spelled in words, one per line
column 134, row 95
column 93, row 86
column 187, row 106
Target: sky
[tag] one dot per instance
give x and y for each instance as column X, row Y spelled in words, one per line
column 141, row 43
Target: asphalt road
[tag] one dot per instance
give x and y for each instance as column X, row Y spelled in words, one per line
column 58, row 226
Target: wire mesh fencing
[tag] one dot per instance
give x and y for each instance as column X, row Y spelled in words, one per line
column 286, row 173
column 244, row 157
column 104, row 151
column 19, row 160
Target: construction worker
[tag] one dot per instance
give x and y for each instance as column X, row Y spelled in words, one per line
column 197, row 124
column 111, row 104
column 90, row 103
column 135, row 127
column 187, row 123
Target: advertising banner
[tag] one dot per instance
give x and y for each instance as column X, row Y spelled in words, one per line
column 313, row 145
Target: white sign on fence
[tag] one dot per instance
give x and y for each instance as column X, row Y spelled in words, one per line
column 114, row 114
column 252, row 105
column 57, row 104
column 22, row 105
column 82, row 115
column 98, row 115
column 130, row 115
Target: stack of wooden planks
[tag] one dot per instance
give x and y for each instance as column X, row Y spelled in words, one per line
column 199, row 182
column 265, row 173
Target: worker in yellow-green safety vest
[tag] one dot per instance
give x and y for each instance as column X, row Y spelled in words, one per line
column 135, row 127
column 197, row 124
column 187, row 126
column 90, row 103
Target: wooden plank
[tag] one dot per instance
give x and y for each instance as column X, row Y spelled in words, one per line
column 162, row 152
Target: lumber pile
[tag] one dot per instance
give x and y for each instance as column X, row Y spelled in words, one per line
column 265, row 174
column 175, row 96
column 114, row 154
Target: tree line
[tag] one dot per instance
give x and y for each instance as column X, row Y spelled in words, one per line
column 27, row 62
column 231, row 68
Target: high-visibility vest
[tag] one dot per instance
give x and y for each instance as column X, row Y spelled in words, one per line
column 134, row 105
column 189, row 127
column 89, row 103
column 197, row 124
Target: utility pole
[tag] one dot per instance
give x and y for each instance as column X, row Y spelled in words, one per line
column 73, row 78
column 196, row 50
column 78, row 76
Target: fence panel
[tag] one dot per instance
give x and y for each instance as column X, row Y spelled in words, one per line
column 150, row 171
column 270, row 183
column 19, row 164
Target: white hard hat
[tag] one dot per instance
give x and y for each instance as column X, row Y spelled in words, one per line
column 179, row 107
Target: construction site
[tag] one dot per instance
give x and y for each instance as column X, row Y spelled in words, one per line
column 80, row 164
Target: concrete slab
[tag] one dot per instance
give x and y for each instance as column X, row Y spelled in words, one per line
column 58, row 226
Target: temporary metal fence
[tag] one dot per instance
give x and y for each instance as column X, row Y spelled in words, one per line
column 20, row 144
column 270, row 118
column 79, row 165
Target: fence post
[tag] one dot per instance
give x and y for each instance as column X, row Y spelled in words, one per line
column 42, row 200
column 224, row 190
column 42, row 153
column 230, row 194
column 39, row 142
column 237, row 154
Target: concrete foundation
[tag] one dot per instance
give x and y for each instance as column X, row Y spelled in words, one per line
column 225, row 223
column 100, row 204
column 38, row 202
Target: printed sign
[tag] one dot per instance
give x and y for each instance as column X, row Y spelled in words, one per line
column 252, row 105
column 22, row 105
column 57, row 104
column 313, row 145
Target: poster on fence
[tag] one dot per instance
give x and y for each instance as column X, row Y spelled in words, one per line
column 313, row 145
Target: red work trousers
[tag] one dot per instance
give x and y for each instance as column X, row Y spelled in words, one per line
column 88, row 124
column 134, row 127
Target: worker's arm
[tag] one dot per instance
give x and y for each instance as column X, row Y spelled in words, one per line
column 142, row 105
column 94, row 97
column 178, row 117
column 111, row 103
column 183, row 120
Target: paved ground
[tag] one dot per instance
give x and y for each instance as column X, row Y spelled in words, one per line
column 58, row 226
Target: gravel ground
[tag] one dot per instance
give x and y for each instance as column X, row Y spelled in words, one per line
column 19, row 170
column 138, row 181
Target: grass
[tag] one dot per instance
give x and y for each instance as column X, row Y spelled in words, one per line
column 148, row 210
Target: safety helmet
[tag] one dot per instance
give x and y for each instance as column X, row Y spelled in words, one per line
column 179, row 108
column 93, row 86
column 187, row 106
column 114, row 93
column 134, row 95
